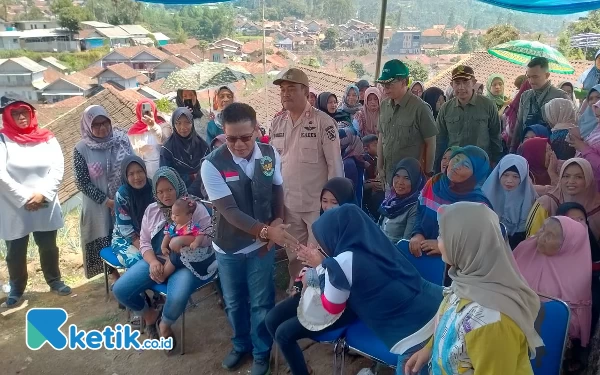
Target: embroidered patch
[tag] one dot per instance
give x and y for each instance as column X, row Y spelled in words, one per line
column 308, row 135
column 309, row 128
column 266, row 163
column 331, row 133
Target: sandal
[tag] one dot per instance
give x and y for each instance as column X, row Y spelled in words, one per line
column 168, row 353
column 11, row 301
column 153, row 330
column 61, row 289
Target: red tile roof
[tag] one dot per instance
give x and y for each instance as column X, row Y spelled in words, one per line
column 177, row 62
column 157, row 86
column 80, row 80
column 51, row 75
column 190, row 57
column 46, row 113
column 175, row 48
column 66, row 129
column 252, row 67
column 122, row 70
column 256, row 45
column 432, row 32
column 91, row 71
column 192, row 42
column 142, row 79
column 485, row 65
column 131, row 52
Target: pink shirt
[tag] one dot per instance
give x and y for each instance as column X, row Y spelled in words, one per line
column 154, row 222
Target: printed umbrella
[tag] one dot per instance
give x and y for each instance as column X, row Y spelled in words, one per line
column 520, row 52
column 205, row 75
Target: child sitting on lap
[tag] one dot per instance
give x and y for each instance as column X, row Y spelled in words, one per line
column 181, row 233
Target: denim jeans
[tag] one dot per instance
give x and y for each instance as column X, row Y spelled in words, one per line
column 180, row 286
column 249, row 294
column 283, row 324
column 16, row 260
column 406, row 356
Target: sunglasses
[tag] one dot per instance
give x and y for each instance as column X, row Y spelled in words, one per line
column 243, row 138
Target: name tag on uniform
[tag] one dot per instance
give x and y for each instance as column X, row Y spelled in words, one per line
column 231, row 176
column 308, row 135
column 278, row 135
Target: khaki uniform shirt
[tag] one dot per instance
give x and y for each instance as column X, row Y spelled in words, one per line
column 403, row 128
column 310, row 156
column 477, row 124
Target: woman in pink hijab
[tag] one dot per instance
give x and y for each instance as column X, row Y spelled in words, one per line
column 557, row 262
column 366, row 119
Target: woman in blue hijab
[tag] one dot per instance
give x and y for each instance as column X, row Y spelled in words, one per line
column 587, row 120
column 468, row 169
column 533, row 131
column 365, row 272
column 591, row 77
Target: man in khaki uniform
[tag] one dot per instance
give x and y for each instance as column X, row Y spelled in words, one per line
column 307, row 140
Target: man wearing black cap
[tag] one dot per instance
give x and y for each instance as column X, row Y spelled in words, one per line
column 468, row 119
column 406, row 126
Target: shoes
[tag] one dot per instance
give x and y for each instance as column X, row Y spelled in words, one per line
column 233, row 360
column 260, row 367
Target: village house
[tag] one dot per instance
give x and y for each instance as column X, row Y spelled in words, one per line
column 21, row 78
column 122, row 75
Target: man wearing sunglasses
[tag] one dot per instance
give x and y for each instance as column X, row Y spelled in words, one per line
column 406, row 126
column 308, row 142
column 244, row 183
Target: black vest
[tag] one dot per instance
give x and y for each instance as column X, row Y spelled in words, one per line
column 253, row 196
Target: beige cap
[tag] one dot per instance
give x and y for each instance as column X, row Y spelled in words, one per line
column 293, row 75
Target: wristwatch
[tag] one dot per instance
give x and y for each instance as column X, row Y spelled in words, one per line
column 264, row 234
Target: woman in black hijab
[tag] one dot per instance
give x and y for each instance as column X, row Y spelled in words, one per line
column 337, row 191
column 328, row 103
column 184, row 150
column 188, row 98
column 432, row 97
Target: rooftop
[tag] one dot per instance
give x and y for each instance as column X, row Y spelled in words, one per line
column 122, row 70
column 26, row 63
column 131, row 52
column 54, row 62
column 91, row 71
column 96, row 24
column 157, row 86
column 135, row 29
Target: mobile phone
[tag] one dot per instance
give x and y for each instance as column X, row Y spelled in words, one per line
column 146, row 109
column 188, row 103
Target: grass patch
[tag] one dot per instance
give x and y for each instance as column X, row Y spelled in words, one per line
column 75, row 61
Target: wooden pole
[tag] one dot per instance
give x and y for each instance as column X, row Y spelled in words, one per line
column 381, row 36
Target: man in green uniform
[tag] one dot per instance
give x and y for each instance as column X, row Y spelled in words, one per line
column 468, row 119
column 406, row 125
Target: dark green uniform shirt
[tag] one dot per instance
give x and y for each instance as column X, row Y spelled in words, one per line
column 477, row 123
column 403, row 128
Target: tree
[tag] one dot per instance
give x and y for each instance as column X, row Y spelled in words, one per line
column 330, row 40
column 418, row 71
column 589, row 24
column 69, row 18
column 181, row 36
column 31, row 13
column 339, row 11
column 465, row 44
column 358, row 68
column 310, row 61
column 499, row 34
column 164, row 105
column 451, row 20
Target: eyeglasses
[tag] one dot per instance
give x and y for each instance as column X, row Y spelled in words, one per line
column 98, row 125
column 16, row 113
column 243, row 138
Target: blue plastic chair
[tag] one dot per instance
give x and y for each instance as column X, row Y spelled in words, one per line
column 162, row 290
column 431, row 268
column 363, row 341
column 109, row 259
column 552, row 324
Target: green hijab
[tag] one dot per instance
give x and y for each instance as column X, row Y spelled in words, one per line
column 498, row 99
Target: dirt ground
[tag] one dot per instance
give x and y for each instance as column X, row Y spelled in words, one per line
column 206, row 341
